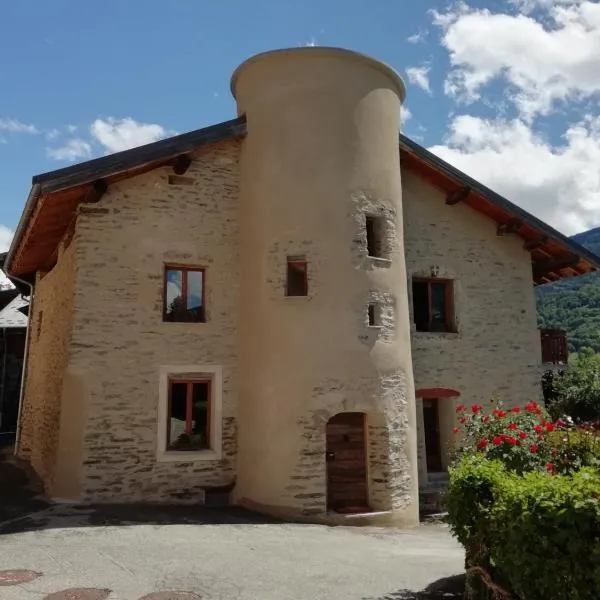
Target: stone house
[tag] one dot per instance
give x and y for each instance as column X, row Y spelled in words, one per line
column 281, row 309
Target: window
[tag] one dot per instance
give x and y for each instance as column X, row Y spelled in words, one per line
column 297, row 277
column 190, row 413
column 374, row 314
column 373, row 226
column 188, row 424
column 184, row 295
column 433, row 301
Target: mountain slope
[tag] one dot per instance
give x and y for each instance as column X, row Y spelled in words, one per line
column 574, row 304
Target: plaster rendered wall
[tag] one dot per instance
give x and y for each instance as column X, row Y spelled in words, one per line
column 120, row 341
column 321, row 152
column 496, row 351
column 50, row 322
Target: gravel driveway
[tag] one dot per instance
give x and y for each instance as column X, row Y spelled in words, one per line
column 126, row 553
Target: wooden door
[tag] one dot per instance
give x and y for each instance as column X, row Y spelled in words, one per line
column 346, row 463
column 433, row 446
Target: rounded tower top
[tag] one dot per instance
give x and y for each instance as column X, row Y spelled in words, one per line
column 318, row 52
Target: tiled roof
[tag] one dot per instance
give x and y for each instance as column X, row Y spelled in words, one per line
column 11, row 316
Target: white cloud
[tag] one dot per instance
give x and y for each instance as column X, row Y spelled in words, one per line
column 16, row 126
column 73, row 150
column 552, row 58
column 405, row 114
column 554, row 183
column 417, row 37
column 6, row 236
column 311, row 42
column 121, row 134
column 71, row 128
column 528, row 6
column 52, row 134
column 419, row 76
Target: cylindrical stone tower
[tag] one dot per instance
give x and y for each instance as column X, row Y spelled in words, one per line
column 326, row 405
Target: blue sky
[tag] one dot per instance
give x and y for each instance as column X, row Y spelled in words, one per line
column 505, row 90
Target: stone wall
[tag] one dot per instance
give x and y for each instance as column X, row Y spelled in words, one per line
column 120, row 340
column 496, row 351
column 50, row 323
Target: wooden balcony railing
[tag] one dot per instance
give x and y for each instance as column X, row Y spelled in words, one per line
column 554, row 346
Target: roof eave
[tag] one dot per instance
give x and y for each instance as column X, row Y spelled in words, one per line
column 526, row 217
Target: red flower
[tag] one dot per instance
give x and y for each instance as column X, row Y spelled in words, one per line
column 462, row 420
column 512, row 426
column 475, row 408
column 522, row 435
column 498, row 412
column 533, row 448
column 460, row 407
column 486, row 419
column 550, row 467
column 516, row 409
column 497, row 440
column 560, row 423
column 455, row 430
column 511, row 440
column 549, row 427
column 538, row 429
column 482, row 444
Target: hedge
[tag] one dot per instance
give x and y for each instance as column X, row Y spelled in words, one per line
column 536, row 535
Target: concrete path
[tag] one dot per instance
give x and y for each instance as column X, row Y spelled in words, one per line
column 129, row 553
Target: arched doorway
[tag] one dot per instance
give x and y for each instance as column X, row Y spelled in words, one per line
column 346, row 460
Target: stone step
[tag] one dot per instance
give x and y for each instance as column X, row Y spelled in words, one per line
column 431, row 501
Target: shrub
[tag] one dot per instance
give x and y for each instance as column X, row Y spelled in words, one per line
column 574, row 448
column 536, row 534
column 514, row 436
column 576, row 391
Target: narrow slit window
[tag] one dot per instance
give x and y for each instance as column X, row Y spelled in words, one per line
column 433, row 305
column 297, row 277
column 188, row 423
column 374, row 314
column 184, row 295
column 373, row 228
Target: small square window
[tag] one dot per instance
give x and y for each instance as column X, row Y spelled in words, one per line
column 433, row 305
column 184, row 295
column 374, row 314
column 297, row 277
column 374, row 231
column 189, row 412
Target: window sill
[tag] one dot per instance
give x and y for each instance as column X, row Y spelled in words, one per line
column 183, row 456
column 375, row 327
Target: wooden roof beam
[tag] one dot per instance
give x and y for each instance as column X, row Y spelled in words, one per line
column 181, row 164
column 510, row 226
column 458, row 195
column 95, row 192
column 547, row 267
column 535, row 243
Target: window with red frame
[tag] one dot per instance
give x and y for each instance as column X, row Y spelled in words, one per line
column 188, row 425
column 297, row 277
column 184, row 295
column 433, row 305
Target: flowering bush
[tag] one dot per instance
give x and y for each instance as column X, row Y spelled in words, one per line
column 522, row 490
column 516, row 436
column 535, row 536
